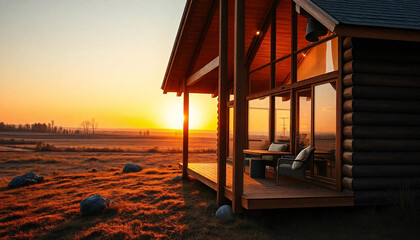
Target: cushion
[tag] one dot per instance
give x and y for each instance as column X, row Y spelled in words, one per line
column 302, row 155
column 278, row 147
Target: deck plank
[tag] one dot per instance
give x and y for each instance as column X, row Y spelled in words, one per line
column 265, row 194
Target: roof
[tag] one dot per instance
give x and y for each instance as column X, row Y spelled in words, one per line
column 197, row 43
column 402, row 14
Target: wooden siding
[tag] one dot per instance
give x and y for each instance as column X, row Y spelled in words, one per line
column 382, row 128
column 264, row 194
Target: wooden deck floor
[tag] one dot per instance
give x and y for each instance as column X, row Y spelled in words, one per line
column 264, row 194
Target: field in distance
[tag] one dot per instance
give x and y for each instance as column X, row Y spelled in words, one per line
column 126, row 140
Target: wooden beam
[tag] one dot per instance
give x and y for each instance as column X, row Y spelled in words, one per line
column 239, row 122
column 185, row 133
column 378, row 32
column 203, row 71
column 294, row 86
column 256, row 42
column 203, row 36
column 273, row 44
column 215, row 93
column 222, row 89
column 293, row 44
column 180, row 89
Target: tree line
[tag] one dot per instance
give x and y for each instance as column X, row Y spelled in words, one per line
column 36, row 127
column 87, row 127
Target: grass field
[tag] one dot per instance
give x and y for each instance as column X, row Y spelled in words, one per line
column 150, row 205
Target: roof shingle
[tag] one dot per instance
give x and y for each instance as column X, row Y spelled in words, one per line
column 375, row 13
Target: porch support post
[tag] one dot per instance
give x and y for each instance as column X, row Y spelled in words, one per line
column 293, row 78
column 223, row 99
column 239, row 122
column 185, row 132
column 272, row 113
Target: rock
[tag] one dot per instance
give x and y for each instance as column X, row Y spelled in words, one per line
column 224, row 212
column 128, row 168
column 93, row 170
column 177, row 178
column 25, row 180
column 93, row 205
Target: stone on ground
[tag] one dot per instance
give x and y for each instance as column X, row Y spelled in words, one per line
column 128, row 168
column 93, row 205
column 177, row 178
column 224, row 212
column 25, row 180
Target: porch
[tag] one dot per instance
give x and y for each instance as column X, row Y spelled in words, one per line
column 262, row 193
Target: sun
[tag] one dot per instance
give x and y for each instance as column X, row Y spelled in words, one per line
column 174, row 118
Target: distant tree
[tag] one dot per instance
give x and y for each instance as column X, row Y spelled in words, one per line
column 94, row 125
column 85, row 125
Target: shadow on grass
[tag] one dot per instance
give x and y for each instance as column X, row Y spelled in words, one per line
column 71, row 227
column 374, row 222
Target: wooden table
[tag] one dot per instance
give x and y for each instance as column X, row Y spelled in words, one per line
column 256, row 152
column 257, row 165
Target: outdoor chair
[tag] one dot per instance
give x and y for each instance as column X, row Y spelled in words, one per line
column 289, row 165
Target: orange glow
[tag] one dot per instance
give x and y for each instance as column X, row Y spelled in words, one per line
column 258, row 33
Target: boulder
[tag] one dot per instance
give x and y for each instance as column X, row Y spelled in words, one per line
column 177, row 178
column 93, row 205
column 25, row 180
column 224, row 211
column 128, row 168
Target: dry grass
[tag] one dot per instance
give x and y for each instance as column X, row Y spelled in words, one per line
column 149, row 205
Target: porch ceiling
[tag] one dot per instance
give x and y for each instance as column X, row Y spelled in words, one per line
column 188, row 40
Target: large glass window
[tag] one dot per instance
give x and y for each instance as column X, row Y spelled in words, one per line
column 318, row 60
column 282, row 118
column 260, row 80
column 258, row 127
column 325, row 129
column 304, row 119
column 230, row 147
column 283, row 69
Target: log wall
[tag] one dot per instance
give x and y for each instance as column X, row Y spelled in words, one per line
column 381, row 91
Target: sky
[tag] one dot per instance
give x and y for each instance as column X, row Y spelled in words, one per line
column 75, row 60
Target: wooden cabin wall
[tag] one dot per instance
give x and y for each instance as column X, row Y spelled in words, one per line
column 381, row 90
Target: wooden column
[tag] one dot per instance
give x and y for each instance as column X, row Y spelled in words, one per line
column 293, row 78
column 272, row 111
column 239, row 122
column 222, row 132
column 294, row 43
column 339, row 120
column 185, row 132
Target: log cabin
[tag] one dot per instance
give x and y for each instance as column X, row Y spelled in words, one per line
column 341, row 76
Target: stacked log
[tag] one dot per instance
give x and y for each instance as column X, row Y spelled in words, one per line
column 381, row 118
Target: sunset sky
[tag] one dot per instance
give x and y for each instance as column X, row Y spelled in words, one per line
column 71, row 61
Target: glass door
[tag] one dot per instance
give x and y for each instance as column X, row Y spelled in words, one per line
column 304, row 119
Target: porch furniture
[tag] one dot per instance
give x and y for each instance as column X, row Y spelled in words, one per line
column 256, row 167
column 270, row 154
column 289, row 165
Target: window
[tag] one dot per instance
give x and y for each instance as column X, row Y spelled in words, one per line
column 230, row 147
column 258, row 123
column 325, row 129
column 282, row 118
column 260, row 80
column 318, row 60
column 304, row 119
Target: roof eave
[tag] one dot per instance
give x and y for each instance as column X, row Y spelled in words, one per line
column 318, row 13
column 187, row 9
